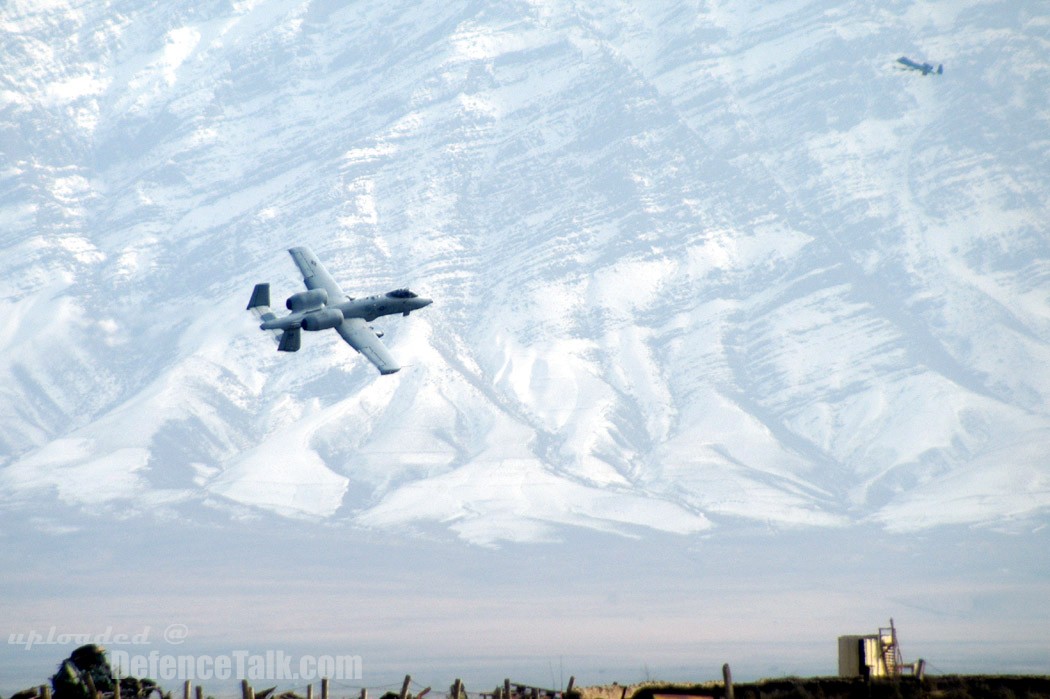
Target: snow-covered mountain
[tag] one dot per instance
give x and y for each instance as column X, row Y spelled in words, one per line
column 693, row 263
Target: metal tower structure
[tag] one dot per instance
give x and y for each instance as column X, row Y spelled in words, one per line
column 890, row 650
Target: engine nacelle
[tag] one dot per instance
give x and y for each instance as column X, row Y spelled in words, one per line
column 305, row 300
column 323, row 319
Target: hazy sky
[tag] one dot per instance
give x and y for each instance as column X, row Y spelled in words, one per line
column 601, row 607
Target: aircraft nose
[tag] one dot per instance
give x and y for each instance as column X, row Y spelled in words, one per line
column 424, row 302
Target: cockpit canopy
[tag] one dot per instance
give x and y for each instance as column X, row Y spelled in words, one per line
column 401, row 294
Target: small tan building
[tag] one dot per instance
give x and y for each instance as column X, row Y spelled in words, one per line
column 862, row 656
column 872, row 655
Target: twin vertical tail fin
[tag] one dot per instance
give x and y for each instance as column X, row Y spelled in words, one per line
column 260, row 303
column 287, row 340
column 260, row 297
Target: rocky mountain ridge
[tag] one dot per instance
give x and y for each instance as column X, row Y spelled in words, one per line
column 692, row 264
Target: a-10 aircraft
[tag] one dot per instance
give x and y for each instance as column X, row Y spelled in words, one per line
column 324, row 306
column 926, row 68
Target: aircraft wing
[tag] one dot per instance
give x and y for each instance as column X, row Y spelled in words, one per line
column 316, row 276
column 361, row 337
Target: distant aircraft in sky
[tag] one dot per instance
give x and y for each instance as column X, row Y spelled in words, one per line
column 926, row 68
column 324, row 306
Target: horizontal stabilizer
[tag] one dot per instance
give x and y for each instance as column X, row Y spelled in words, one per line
column 260, row 296
column 290, row 340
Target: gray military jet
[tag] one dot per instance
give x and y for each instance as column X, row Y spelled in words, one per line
column 924, row 68
column 324, row 306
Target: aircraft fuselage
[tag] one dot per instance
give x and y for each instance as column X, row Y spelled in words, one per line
column 371, row 307
column 324, row 315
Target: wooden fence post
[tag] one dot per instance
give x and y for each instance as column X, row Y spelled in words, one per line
column 727, row 675
column 200, row 692
column 187, row 690
column 572, row 681
column 404, row 686
column 457, row 687
column 324, row 688
column 364, row 693
column 309, row 691
column 506, row 688
column 246, row 690
column 116, row 688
